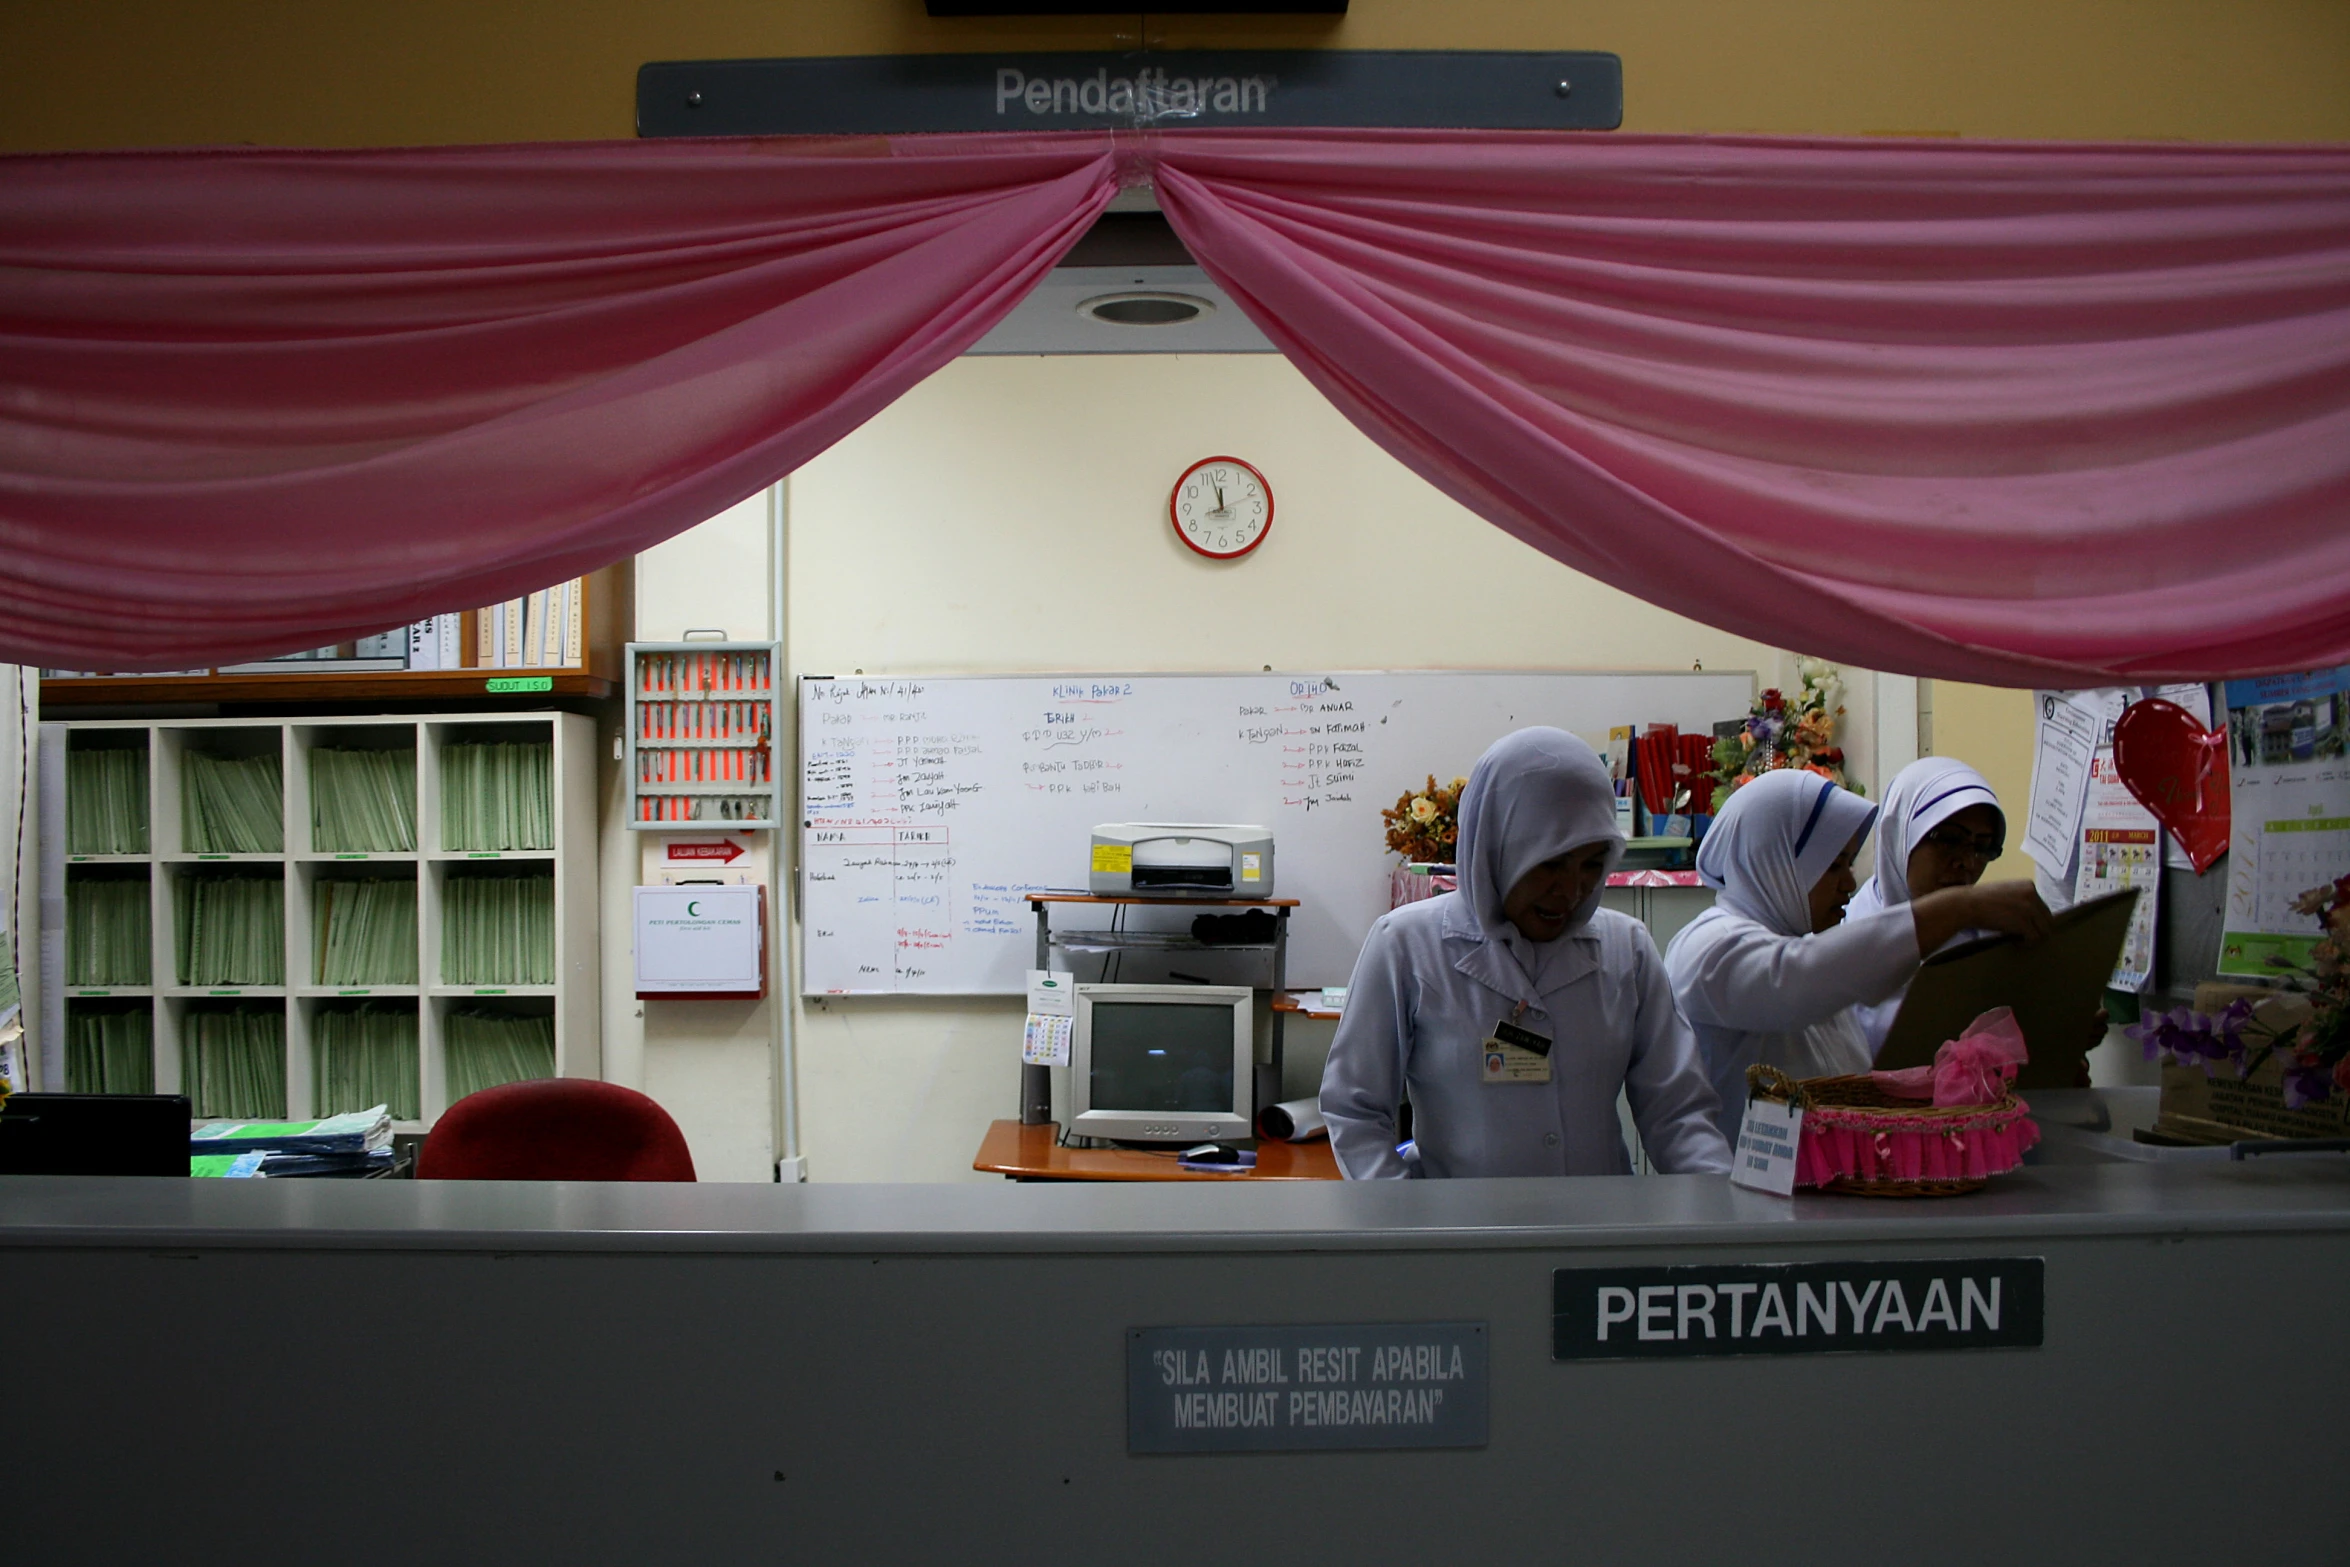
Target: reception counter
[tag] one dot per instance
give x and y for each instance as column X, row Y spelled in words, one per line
column 420, row 1371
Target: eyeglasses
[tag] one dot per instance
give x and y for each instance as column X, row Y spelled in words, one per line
column 1960, row 844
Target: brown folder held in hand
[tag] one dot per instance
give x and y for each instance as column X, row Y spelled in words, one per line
column 2055, row 985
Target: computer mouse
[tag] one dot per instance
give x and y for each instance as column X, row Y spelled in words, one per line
column 1211, row 1153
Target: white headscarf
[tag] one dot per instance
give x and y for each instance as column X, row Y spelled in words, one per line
column 1923, row 796
column 1533, row 796
column 1766, row 850
column 1775, row 840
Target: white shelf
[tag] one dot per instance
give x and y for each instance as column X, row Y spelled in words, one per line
column 575, row 999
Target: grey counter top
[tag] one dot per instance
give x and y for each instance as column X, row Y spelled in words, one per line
column 2271, row 1196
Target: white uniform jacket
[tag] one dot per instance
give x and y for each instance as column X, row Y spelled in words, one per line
column 1425, row 996
column 1753, row 995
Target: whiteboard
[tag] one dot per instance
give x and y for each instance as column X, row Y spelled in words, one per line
column 931, row 807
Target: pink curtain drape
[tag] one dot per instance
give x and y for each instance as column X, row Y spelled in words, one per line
column 2021, row 414
column 2053, row 415
column 259, row 401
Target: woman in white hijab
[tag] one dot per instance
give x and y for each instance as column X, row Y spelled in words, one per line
column 1513, row 1011
column 1768, row 973
column 1941, row 828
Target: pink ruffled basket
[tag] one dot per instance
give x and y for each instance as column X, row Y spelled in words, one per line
column 1858, row 1137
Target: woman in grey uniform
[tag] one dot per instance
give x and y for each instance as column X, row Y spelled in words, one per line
column 1514, row 1011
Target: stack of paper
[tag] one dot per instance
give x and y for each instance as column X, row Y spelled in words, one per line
column 109, row 1052
column 489, row 1048
column 363, row 801
column 107, row 932
column 358, row 1143
column 499, row 930
column 355, row 1131
column 233, row 1061
column 278, row 1166
column 498, row 795
column 233, row 1166
column 366, row 1055
column 105, row 801
column 232, row 804
column 364, row 932
column 232, row 930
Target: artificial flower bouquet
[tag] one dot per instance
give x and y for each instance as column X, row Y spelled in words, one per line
column 1788, row 732
column 1424, row 826
column 2311, row 1042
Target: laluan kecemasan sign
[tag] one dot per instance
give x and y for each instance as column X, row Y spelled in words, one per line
column 902, row 94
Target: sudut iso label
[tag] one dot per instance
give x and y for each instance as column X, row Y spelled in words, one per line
column 1796, row 1308
column 1264, row 1389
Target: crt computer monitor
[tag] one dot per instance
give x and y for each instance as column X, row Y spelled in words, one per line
column 1163, row 1063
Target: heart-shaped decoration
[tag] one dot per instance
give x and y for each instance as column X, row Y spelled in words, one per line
column 2178, row 770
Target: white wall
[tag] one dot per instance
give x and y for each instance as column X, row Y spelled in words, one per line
column 1009, row 515
column 708, row 1062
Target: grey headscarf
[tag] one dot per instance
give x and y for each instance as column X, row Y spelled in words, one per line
column 1533, row 796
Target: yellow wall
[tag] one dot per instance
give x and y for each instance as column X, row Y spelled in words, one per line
column 122, row 73
column 1991, row 731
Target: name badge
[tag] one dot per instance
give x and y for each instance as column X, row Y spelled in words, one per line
column 1515, row 1055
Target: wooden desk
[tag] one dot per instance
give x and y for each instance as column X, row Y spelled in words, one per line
column 1034, row 1153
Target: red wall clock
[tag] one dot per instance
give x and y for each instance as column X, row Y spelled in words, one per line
column 1221, row 507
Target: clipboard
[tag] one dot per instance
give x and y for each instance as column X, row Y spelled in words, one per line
column 2055, row 986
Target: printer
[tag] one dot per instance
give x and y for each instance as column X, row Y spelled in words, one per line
column 1182, row 860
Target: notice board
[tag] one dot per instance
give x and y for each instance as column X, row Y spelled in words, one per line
column 931, row 807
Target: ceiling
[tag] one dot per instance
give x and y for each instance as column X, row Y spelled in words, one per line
column 1125, row 252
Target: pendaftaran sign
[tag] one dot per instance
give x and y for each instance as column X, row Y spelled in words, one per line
column 1264, row 1389
column 1796, row 1308
column 884, row 95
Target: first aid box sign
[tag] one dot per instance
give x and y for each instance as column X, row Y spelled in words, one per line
column 701, row 943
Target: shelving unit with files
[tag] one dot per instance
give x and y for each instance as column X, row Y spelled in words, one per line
column 704, row 726
column 292, row 916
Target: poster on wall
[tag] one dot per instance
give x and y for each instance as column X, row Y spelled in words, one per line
column 2066, row 726
column 2121, row 846
column 2289, row 797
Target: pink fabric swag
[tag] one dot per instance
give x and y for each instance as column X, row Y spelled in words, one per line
column 2025, row 414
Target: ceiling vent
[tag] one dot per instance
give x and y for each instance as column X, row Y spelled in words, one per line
column 1145, row 308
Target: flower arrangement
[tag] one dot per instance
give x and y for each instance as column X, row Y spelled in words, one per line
column 1780, row 732
column 2315, row 1050
column 1425, row 823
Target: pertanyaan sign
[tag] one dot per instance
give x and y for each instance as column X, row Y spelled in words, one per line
column 902, row 94
column 1273, row 1389
column 1795, row 1308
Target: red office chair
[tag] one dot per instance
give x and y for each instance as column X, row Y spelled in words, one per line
column 555, row 1129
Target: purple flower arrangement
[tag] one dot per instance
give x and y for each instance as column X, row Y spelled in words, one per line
column 2315, row 1052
